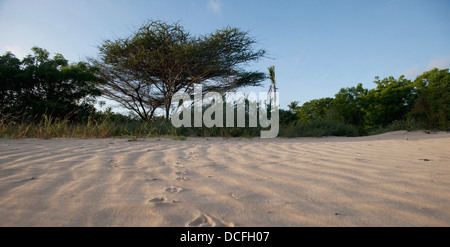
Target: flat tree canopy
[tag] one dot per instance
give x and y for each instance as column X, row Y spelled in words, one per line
column 145, row 70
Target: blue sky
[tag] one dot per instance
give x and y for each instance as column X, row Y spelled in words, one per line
column 317, row 46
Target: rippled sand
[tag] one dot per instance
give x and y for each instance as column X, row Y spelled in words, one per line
column 394, row 179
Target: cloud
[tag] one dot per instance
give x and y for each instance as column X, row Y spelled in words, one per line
column 215, row 6
column 412, row 72
column 17, row 51
column 443, row 63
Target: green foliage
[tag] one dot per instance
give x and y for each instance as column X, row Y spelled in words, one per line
column 392, row 105
column 316, row 109
column 38, row 85
column 391, row 100
column 293, row 106
column 47, row 97
column 432, row 108
column 409, row 124
column 349, row 104
column 145, row 70
column 317, row 128
column 287, row 117
column 273, row 86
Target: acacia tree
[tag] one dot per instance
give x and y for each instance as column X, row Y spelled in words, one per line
column 145, row 70
column 121, row 85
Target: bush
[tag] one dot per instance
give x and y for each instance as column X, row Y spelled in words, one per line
column 409, row 124
column 317, row 128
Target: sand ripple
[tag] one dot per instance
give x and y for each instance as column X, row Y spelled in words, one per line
column 395, row 179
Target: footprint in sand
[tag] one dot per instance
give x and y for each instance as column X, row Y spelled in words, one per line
column 174, row 189
column 158, row 199
column 162, row 200
column 183, row 179
column 235, row 196
column 181, row 176
column 192, row 156
column 204, row 221
column 180, row 164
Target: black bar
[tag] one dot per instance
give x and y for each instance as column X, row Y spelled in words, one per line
column 239, row 236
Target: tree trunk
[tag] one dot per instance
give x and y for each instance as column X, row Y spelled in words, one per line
column 167, row 111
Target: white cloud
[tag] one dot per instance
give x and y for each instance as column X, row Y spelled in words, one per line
column 412, row 72
column 215, row 6
column 17, row 51
column 443, row 63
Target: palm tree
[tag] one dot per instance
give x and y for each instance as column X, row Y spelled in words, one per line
column 293, row 106
column 272, row 78
column 273, row 85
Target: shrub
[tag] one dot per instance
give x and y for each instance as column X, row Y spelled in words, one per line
column 318, row 128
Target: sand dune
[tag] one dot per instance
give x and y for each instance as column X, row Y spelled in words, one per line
column 395, row 179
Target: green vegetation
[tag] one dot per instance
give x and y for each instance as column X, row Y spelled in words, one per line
column 38, row 86
column 103, row 125
column 144, row 71
column 47, row 97
column 317, row 128
column 394, row 104
column 432, row 106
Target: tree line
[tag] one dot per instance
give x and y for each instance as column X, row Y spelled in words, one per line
column 424, row 102
column 142, row 72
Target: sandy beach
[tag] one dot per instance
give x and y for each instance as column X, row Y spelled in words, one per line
column 394, row 179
